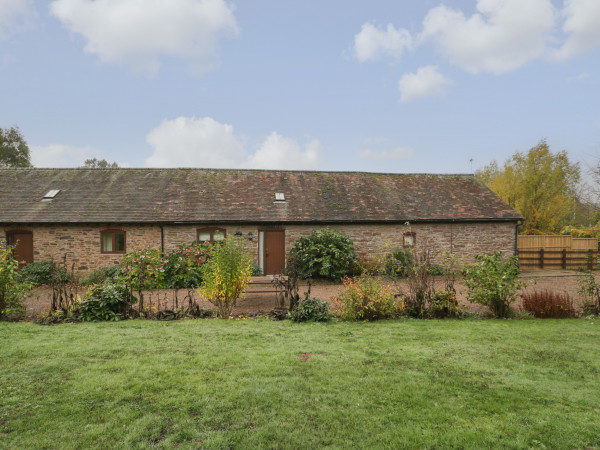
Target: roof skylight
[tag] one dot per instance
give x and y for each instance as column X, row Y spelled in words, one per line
column 50, row 195
column 279, row 197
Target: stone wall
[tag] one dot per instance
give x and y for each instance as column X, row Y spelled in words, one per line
column 81, row 243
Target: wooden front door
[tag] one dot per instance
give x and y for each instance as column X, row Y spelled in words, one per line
column 24, row 246
column 274, row 252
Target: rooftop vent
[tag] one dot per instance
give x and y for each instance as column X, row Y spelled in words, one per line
column 279, row 197
column 50, row 195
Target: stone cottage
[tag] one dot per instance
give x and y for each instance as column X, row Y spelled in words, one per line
column 94, row 216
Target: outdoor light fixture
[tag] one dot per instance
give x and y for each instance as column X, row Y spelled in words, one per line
column 238, row 234
column 250, row 235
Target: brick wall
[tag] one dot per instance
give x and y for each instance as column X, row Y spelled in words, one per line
column 81, row 243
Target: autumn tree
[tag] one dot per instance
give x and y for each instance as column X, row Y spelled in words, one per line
column 94, row 163
column 541, row 185
column 14, row 151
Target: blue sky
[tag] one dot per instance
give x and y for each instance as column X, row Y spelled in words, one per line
column 386, row 86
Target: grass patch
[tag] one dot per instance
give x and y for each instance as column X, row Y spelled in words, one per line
column 249, row 383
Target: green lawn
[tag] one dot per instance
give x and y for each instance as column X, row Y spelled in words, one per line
column 219, row 383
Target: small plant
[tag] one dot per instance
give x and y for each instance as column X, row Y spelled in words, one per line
column 109, row 301
column 13, row 288
column 366, row 298
column 548, row 305
column 310, row 310
column 492, row 282
column 420, row 282
column 256, row 271
column 443, row 304
column 436, row 270
column 589, row 289
column 325, row 253
column 100, row 275
column 399, row 262
column 226, row 275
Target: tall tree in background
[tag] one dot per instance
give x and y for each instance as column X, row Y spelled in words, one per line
column 541, row 185
column 95, row 163
column 14, row 151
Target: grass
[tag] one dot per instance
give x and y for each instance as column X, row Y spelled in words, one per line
column 244, row 384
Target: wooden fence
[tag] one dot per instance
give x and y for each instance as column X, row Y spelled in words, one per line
column 557, row 252
column 558, row 259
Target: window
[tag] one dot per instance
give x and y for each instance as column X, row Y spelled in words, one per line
column 112, row 241
column 409, row 239
column 211, row 235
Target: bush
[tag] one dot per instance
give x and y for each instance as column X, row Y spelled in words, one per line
column 13, row 288
column 548, row 305
column 226, row 275
column 100, row 275
column 183, row 267
column 436, row 270
column 310, row 310
column 400, row 262
column 256, row 271
column 44, row 272
column 590, row 290
column 109, row 301
column 365, row 298
column 325, row 253
column 492, row 281
column 443, row 304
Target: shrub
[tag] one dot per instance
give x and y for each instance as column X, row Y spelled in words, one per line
column 108, row 301
column 310, row 310
column 13, row 288
column 492, row 281
column 183, row 267
column 548, row 305
column 256, row 271
column 325, row 253
column 420, row 283
column 44, row 272
column 436, row 270
column 144, row 269
column 443, row 304
column 365, row 298
column 399, row 262
column 226, row 275
column 590, row 290
column 100, row 275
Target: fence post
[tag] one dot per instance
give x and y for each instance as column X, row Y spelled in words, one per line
column 564, row 258
column 541, row 258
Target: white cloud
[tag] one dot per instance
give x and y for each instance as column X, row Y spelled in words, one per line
column 374, row 42
column 191, row 142
column 397, row 153
column 577, row 78
column 58, row 155
column 502, row 36
column 278, row 152
column 582, row 19
column 136, row 33
column 426, row 82
column 204, row 142
column 13, row 15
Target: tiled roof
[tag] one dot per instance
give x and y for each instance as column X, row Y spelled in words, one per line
column 214, row 195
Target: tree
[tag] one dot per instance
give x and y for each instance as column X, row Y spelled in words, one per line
column 14, row 151
column 541, row 185
column 95, row 163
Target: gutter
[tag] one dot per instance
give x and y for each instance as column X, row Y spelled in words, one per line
column 162, row 237
column 519, row 223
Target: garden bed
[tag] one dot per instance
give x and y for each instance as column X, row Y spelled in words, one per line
column 559, row 281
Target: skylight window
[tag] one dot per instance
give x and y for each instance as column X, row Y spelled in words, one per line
column 279, row 197
column 50, row 195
